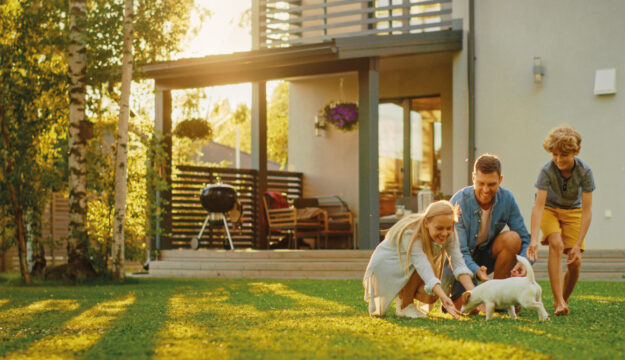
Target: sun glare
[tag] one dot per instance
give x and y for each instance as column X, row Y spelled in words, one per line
column 79, row 333
column 27, row 312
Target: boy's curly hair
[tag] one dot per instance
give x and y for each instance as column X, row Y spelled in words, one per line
column 563, row 139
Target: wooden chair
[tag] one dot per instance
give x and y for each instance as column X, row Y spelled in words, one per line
column 337, row 220
column 285, row 221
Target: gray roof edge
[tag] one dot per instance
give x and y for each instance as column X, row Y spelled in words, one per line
column 372, row 45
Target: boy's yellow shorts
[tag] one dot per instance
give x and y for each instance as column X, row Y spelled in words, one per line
column 567, row 222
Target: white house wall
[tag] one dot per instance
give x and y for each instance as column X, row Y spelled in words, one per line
column 330, row 162
column 574, row 38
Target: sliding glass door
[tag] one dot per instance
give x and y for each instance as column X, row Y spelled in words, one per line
column 409, row 145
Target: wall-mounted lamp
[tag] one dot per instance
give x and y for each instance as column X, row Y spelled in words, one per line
column 320, row 124
column 539, row 70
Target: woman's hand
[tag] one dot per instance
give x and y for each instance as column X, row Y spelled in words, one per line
column 451, row 308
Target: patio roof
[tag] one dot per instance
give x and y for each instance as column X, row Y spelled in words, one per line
column 338, row 55
column 361, row 54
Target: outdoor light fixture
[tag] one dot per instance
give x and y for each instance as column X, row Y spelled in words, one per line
column 539, row 70
column 320, row 124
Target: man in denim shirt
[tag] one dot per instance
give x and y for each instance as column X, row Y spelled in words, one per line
column 486, row 208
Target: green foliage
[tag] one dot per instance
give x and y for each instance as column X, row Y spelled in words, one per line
column 278, row 124
column 145, row 165
column 286, row 319
column 160, row 26
column 227, row 122
column 33, row 106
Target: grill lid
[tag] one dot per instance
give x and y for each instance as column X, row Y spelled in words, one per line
column 218, row 198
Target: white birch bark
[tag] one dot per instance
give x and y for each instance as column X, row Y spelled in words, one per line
column 77, row 242
column 121, row 162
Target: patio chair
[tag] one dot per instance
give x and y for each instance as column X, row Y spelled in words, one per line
column 337, row 222
column 283, row 221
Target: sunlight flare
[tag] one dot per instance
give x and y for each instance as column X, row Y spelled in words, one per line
column 24, row 313
column 604, row 299
column 79, row 333
column 185, row 338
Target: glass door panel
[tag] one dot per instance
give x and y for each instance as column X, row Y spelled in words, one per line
column 391, row 148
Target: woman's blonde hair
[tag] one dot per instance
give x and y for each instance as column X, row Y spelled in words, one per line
column 442, row 207
column 563, row 139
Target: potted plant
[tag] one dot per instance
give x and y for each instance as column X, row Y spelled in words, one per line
column 343, row 115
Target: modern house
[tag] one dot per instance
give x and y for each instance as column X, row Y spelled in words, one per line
column 437, row 83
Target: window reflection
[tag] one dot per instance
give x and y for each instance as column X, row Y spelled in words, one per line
column 425, row 146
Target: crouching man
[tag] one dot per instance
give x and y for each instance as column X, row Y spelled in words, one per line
column 486, row 208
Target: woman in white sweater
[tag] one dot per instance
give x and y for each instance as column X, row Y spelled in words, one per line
column 408, row 264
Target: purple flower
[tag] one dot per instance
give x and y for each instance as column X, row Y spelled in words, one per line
column 342, row 115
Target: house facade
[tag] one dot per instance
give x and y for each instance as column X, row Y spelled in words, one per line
column 512, row 111
column 438, row 83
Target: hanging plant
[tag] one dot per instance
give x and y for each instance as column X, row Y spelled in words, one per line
column 194, row 129
column 343, row 115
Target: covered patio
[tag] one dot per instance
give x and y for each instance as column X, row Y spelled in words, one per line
column 361, row 55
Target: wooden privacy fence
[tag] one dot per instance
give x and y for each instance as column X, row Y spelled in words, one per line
column 54, row 231
column 187, row 214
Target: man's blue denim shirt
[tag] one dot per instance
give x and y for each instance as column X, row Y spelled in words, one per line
column 505, row 212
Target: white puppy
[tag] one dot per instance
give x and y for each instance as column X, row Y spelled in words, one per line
column 505, row 293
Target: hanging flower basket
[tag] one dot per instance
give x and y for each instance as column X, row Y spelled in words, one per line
column 343, row 115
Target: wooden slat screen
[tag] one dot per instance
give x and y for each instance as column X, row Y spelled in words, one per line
column 188, row 214
column 290, row 22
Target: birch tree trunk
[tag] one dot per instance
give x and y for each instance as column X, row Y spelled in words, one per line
column 79, row 128
column 121, row 162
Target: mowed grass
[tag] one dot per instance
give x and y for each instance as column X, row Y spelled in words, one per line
column 286, row 319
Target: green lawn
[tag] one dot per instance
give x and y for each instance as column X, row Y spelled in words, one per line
column 285, row 319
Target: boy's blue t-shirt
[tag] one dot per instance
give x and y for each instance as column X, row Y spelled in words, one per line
column 565, row 193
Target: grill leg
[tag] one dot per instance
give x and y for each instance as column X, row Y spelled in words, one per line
column 223, row 217
column 195, row 241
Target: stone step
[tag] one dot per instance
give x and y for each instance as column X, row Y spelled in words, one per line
column 284, row 266
column 185, row 254
column 334, row 264
column 266, row 274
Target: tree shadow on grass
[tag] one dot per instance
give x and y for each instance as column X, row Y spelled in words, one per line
column 134, row 333
column 19, row 333
column 347, row 292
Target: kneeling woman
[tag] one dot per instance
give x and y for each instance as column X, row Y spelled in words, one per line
column 408, row 264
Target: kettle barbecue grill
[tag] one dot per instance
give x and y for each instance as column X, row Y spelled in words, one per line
column 216, row 198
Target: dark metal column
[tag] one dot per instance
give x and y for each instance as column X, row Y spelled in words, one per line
column 162, row 127
column 368, row 192
column 259, row 153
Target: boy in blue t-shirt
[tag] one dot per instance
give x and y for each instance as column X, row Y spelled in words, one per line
column 562, row 211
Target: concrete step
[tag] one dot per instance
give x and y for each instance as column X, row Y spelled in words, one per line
column 261, row 265
column 268, row 274
column 334, row 264
column 186, row 254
